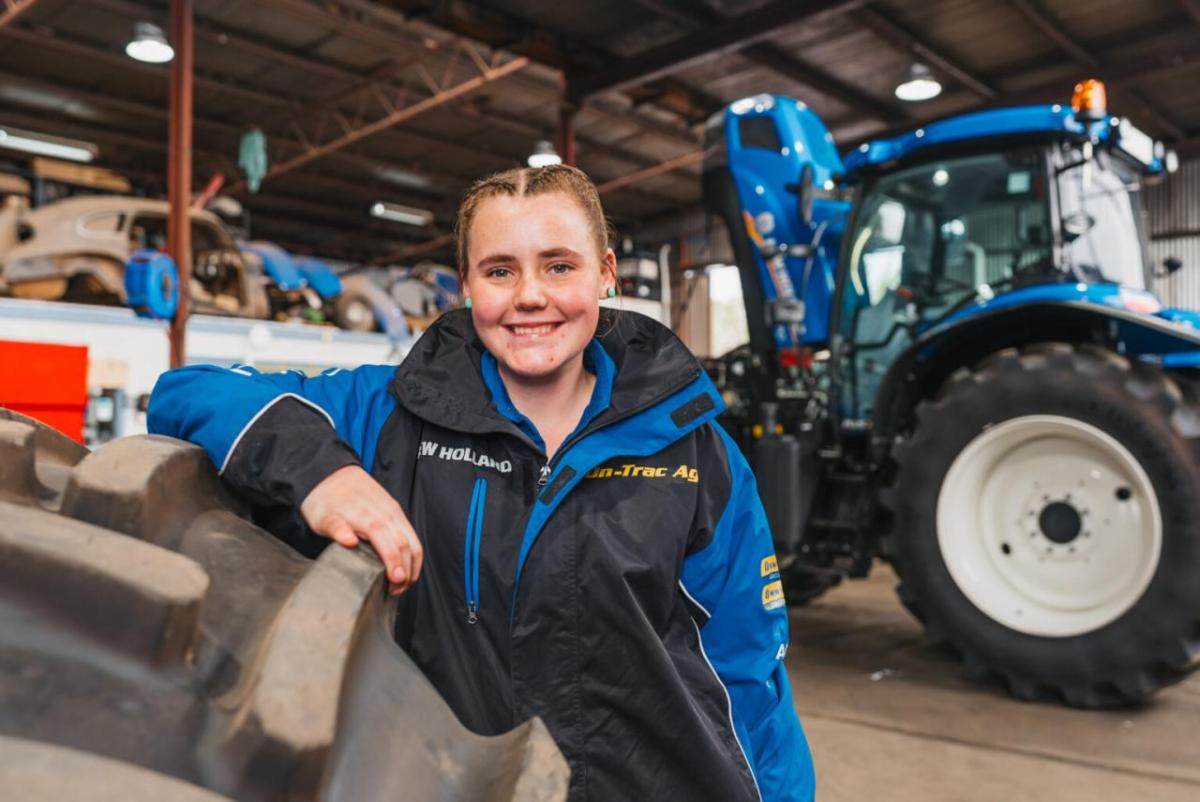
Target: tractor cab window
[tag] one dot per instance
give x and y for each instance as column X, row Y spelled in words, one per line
column 1102, row 219
column 925, row 242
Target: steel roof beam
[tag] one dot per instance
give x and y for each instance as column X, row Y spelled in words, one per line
column 500, row 29
column 686, row 160
column 1040, row 18
column 501, row 32
column 775, row 58
column 72, row 128
column 781, row 62
column 1159, row 65
column 220, row 84
column 922, row 50
column 210, row 30
column 353, row 131
column 234, row 132
column 734, row 34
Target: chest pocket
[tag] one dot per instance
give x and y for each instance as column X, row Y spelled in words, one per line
column 472, row 539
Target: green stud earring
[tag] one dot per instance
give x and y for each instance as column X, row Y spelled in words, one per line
column 467, row 303
column 612, row 292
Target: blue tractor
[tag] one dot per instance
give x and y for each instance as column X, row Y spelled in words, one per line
column 955, row 364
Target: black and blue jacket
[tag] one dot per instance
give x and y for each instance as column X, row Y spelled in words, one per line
column 626, row 590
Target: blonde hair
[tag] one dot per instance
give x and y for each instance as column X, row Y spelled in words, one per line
column 523, row 182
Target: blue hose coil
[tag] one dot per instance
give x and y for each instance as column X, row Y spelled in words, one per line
column 152, row 284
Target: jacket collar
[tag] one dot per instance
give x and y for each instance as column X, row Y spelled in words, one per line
column 441, row 379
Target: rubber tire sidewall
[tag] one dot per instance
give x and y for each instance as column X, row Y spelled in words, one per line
column 1132, row 404
column 342, row 308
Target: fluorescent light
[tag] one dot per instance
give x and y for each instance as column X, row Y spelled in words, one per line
column 921, row 85
column 544, row 155
column 149, row 44
column 401, row 177
column 45, row 145
column 401, row 214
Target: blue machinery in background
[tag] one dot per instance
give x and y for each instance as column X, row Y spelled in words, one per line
column 952, row 344
column 152, row 284
column 791, row 188
column 290, row 273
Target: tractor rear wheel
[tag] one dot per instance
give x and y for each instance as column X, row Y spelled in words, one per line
column 154, row 644
column 1046, row 523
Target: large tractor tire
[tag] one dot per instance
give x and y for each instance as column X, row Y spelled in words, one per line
column 1046, row 524
column 155, row 645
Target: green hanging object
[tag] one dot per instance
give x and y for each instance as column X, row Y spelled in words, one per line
column 252, row 157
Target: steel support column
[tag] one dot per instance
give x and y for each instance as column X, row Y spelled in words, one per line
column 179, row 168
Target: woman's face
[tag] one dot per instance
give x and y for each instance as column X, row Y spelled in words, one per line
column 535, row 280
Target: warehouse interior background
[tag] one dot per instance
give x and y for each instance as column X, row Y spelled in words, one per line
column 346, row 131
column 408, row 101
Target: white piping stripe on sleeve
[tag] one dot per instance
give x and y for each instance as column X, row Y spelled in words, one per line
column 728, row 700
column 259, row 414
column 692, row 599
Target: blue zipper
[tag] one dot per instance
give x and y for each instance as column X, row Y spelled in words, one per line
column 471, row 549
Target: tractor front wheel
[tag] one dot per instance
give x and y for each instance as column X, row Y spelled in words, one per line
column 1047, row 523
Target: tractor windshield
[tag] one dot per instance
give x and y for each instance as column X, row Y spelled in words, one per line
column 1101, row 208
column 926, row 238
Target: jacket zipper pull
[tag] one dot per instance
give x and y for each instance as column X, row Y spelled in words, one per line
column 471, row 616
column 545, row 476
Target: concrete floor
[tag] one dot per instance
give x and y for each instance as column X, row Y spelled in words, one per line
column 889, row 718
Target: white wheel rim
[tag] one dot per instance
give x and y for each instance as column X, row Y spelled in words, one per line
column 1009, row 551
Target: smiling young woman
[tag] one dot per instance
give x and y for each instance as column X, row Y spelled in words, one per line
column 576, row 537
column 535, row 261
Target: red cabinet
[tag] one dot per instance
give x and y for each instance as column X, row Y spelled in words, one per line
column 47, row 382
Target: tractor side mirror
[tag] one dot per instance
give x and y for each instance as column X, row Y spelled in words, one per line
column 806, row 194
column 804, row 190
column 1169, row 265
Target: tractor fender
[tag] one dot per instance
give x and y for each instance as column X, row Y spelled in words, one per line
column 965, row 340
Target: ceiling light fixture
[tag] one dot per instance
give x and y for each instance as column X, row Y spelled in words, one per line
column 149, row 44
column 399, row 213
column 46, row 145
column 544, row 155
column 921, row 85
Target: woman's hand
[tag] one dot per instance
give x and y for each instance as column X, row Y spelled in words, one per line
column 348, row 506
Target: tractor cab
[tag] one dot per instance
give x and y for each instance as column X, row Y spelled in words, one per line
column 945, row 220
column 953, row 215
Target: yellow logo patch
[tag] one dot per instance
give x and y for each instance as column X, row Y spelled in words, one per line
column 772, row 596
column 770, row 565
column 684, row 472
